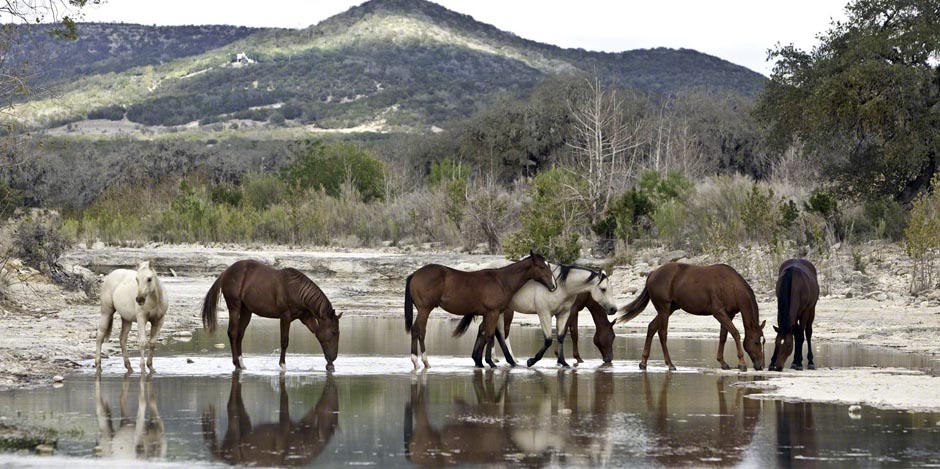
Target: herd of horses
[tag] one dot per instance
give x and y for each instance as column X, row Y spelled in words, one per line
column 528, row 286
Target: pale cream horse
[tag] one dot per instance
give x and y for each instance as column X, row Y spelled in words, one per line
column 136, row 296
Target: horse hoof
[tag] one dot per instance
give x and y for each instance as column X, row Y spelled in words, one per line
column 672, row 368
column 579, row 360
column 796, row 367
column 329, row 367
column 642, row 366
column 742, row 367
column 811, row 367
column 563, row 365
column 530, row 362
column 725, row 366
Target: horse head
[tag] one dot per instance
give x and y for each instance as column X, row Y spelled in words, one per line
column 146, row 282
column 578, row 280
column 541, row 271
column 783, row 347
column 754, row 344
column 326, row 329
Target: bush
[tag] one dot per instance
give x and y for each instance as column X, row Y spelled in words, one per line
column 327, row 166
column 551, row 220
column 39, row 242
column 922, row 238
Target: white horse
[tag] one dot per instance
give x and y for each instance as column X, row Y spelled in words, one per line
column 136, row 296
column 142, row 438
column 534, row 298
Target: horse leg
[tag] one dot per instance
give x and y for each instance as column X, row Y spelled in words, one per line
column 416, row 332
column 502, row 337
column 142, row 337
column 545, row 321
column 723, row 337
column 424, row 350
column 485, row 336
column 244, row 318
column 572, row 328
column 663, row 332
column 104, row 329
column 797, row 347
column 726, row 323
column 234, row 313
column 650, row 331
column 125, row 332
column 809, row 344
column 285, row 338
column 155, row 327
column 561, row 323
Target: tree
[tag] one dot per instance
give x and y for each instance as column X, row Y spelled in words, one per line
column 317, row 165
column 865, row 100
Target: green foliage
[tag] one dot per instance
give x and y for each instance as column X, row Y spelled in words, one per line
column 39, row 242
column 260, row 191
column 551, row 220
column 823, row 203
column 327, row 166
column 867, row 93
column 630, row 215
column 456, row 201
column 227, row 194
column 446, row 170
column 922, row 238
column 664, row 187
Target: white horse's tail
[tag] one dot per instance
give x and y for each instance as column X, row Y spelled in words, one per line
column 107, row 330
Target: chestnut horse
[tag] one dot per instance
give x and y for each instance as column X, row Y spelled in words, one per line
column 484, row 292
column 712, row 290
column 797, row 294
column 250, row 287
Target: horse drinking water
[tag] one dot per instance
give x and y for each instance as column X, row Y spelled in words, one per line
column 797, row 294
column 484, row 292
column 712, row 290
column 286, row 294
column 135, row 296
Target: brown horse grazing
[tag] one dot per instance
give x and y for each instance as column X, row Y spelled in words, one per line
column 286, row 294
column 484, row 293
column 713, row 290
column 273, row 444
column 603, row 334
column 797, row 294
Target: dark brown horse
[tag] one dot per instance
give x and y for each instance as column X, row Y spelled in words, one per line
column 713, row 290
column 797, row 294
column 270, row 444
column 604, row 328
column 484, row 293
column 250, row 287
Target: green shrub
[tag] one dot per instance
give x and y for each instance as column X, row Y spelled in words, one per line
column 317, row 165
column 922, row 238
column 446, row 170
column 260, row 191
column 551, row 220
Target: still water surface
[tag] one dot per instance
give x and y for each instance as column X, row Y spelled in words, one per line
column 373, row 411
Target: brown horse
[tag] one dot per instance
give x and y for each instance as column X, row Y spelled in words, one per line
column 604, row 328
column 484, row 293
column 286, row 294
column 713, row 290
column 280, row 443
column 797, row 294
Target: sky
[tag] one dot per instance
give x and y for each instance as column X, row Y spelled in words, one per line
column 740, row 31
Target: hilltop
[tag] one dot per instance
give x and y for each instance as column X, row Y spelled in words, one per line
column 383, row 65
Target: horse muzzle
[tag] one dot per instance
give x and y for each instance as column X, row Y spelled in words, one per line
column 611, row 311
column 140, row 300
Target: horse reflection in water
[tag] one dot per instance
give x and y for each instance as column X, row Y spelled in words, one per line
column 697, row 438
column 796, row 433
column 142, row 437
column 499, row 429
column 281, row 443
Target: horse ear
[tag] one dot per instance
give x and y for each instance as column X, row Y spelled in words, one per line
column 763, row 323
column 776, row 330
column 531, row 253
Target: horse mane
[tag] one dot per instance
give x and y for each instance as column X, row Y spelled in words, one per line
column 308, row 292
column 566, row 269
column 750, row 292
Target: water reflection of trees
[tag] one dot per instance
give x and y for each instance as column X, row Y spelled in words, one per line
column 280, row 443
column 143, row 437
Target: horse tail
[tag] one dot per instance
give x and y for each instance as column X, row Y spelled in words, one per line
column 635, row 307
column 783, row 301
column 210, row 305
column 107, row 330
column 464, row 324
column 409, row 305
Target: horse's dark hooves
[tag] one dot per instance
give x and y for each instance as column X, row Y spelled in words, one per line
column 642, row 366
column 329, row 367
column 530, row 362
column 564, row 364
column 672, row 367
column 796, row 367
column 492, row 365
column 725, row 366
column 578, row 360
column 742, row 367
column 811, row 367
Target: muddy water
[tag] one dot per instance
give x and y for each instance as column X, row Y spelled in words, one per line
column 374, row 411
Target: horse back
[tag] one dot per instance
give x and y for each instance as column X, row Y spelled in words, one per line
column 700, row 289
column 457, row 291
column 804, row 283
column 258, row 286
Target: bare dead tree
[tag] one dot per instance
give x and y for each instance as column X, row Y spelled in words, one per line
column 604, row 145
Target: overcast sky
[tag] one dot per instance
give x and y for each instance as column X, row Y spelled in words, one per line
column 740, row 31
